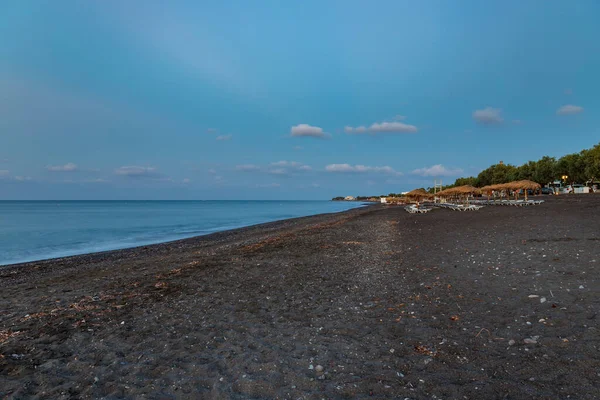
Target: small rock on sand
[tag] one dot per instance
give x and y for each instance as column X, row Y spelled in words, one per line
column 319, row 368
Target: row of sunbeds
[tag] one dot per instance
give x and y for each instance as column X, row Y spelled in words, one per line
column 413, row 209
column 516, row 203
column 459, row 207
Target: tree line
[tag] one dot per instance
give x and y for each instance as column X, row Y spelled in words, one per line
column 582, row 167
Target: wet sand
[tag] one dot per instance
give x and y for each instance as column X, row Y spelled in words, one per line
column 371, row 303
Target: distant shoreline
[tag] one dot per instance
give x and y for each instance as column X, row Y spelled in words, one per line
column 126, row 252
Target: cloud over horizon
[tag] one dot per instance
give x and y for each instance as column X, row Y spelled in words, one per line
column 136, row 171
column 348, row 168
column 69, row 167
column 569, row 109
column 223, row 137
column 276, row 168
column 305, row 130
column 488, row 116
column 291, row 165
column 383, row 127
column 437, row 170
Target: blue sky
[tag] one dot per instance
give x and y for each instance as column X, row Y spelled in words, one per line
column 287, row 100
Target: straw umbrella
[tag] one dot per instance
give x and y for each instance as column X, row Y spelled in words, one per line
column 466, row 190
column 418, row 194
column 498, row 187
column 525, row 185
column 489, row 189
column 459, row 191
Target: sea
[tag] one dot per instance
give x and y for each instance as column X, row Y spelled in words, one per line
column 39, row 230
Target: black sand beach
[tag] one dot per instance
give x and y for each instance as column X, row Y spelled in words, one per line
column 500, row 303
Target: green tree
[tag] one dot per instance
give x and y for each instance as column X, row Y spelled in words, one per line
column 591, row 161
column 573, row 166
column 545, row 170
column 525, row 171
column 498, row 173
column 471, row 180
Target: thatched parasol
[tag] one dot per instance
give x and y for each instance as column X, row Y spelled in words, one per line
column 467, row 189
column 524, row 185
column 418, row 194
column 459, row 191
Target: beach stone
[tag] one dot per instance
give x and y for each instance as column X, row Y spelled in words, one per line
column 319, row 368
column 511, row 342
column 530, row 341
column 543, row 300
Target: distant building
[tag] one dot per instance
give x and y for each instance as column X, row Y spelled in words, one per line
column 349, row 198
column 383, row 200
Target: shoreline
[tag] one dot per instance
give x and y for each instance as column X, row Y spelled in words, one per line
column 369, row 303
column 133, row 251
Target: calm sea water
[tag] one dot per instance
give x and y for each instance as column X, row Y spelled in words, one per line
column 37, row 230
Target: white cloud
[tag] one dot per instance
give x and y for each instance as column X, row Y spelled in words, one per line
column 247, row 167
column 223, row 137
column 488, row 116
column 569, row 109
column 517, row 121
column 437, row 170
column 285, row 167
column 69, row 167
column 308, row 131
column 186, row 180
column 212, row 171
column 383, row 127
column 136, row 171
column 5, row 175
column 347, row 168
column 211, row 130
column 399, row 117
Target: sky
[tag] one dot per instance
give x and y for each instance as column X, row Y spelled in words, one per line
column 287, row 100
